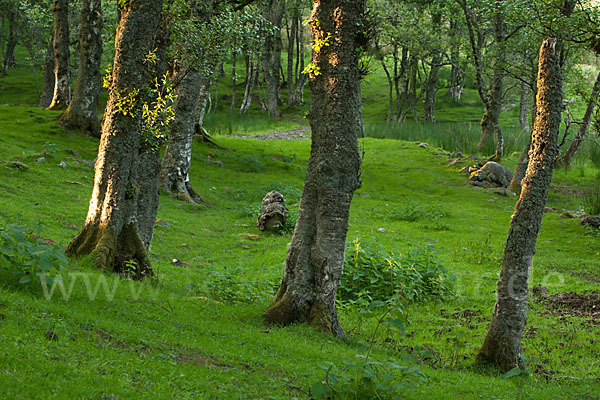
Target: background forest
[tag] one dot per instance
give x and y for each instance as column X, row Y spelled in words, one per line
column 137, row 142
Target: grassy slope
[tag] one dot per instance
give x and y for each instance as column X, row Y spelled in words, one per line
column 185, row 337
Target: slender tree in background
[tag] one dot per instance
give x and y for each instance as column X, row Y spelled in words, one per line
column 62, row 74
column 81, row 114
column 434, row 68
column 316, row 254
column 48, row 76
column 567, row 157
column 272, row 11
column 112, row 232
column 492, row 99
column 174, row 174
column 502, row 345
column 12, row 15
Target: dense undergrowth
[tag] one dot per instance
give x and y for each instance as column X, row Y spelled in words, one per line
column 424, row 252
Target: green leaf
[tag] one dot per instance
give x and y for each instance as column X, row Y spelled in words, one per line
column 512, row 373
column 24, row 280
column 396, row 323
column 319, row 390
column 376, row 304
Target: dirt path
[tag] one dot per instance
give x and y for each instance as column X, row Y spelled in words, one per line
column 297, row 133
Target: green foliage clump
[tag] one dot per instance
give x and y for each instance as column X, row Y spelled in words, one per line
column 415, row 212
column 375, row 274
column 364, row 379
column 29, row 258
column 233, row 286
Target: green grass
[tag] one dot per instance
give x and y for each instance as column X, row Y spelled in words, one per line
column 197, row 332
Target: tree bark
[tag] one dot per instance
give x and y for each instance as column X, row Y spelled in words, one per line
column 290, row 57
column 502, row 345
column 432, row 77
column 177, row 159
column 62, row 71
column 119, row 225
column 524, row 107
column 316, row 254
column 457, row 80
column 271, row 58
column 492, row 102
column 565, row 159
column 8, row 60
column 431, row 88
column 81, row 114
column 233, row 82
column 521, row 168
column 490, row 125
column 390, row 92
column 48, row 88
column 251, row 78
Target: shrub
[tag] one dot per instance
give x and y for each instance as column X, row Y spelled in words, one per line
column 376, row 274
column 29, row 258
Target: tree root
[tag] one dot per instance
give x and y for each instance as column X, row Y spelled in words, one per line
column 124, row 253
column 204, row 137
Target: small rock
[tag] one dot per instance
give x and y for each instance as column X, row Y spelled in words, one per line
column 250, row 236
column 422, row 145
column 179, row 263
column 273, row 211
column 479, row 184
column 73, row 153
column 216, row 162
column 19, row 165
column 453, row 163
column 504, row 192
column 162, row 222
column 473, row 169
column 591, row 220
column 494, row 173
column 465, row 169
column 550, row 209
column 567, row 214
column 62, row 164
column 364, row 194
column 382, row 230
column 40, row 160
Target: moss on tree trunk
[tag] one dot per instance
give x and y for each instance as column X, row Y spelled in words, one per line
column 122, row 210
column 502, row 344
column 316, row 255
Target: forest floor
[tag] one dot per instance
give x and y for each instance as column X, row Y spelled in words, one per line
column 196, row 330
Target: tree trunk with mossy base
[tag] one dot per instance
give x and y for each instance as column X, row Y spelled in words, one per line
column 191, row 86
column 315, row 257
column 81, row 114
column 62, row 71
column 502, row 345
column 119, row 224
